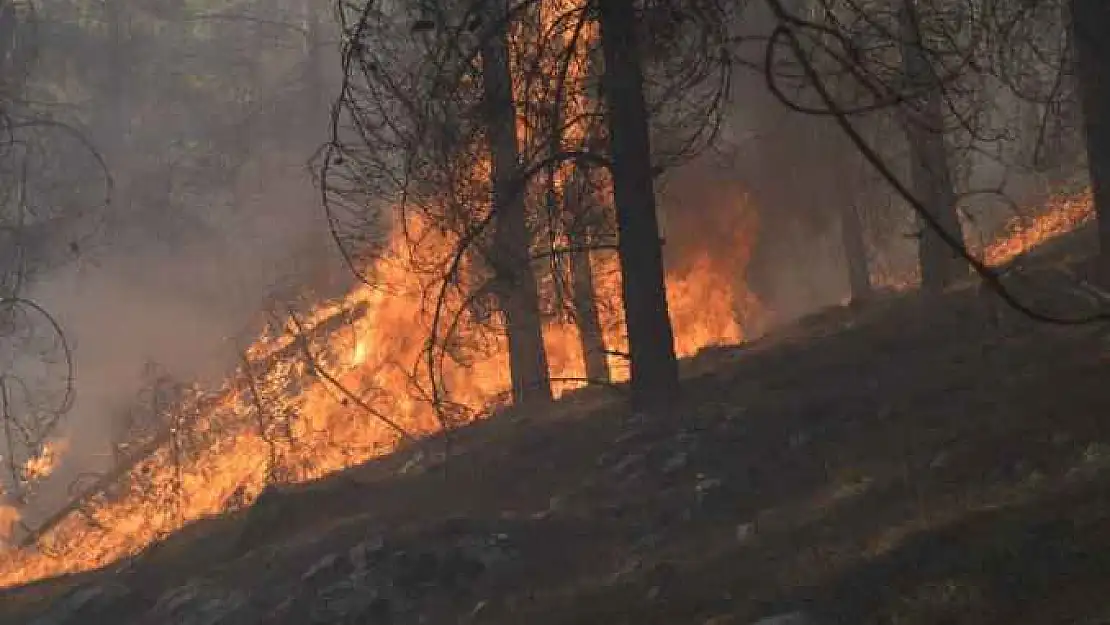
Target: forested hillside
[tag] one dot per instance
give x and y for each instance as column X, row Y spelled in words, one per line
column 552, row 310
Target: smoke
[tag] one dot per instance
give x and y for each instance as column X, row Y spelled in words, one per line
column 794, row 174
column 187, row 307
column 214, row 215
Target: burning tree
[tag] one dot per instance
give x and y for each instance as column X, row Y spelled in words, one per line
column 418, row 136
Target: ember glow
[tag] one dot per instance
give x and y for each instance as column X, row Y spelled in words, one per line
column 1064, row 215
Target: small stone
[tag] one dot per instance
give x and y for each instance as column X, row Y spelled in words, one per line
column 676, row 462
column 940, row 461
column 325, row 563
column 799, row 439
column 706, row 484
column 412, row 464
column 626, row 463
column 633, row 565
column 360, row 554
column 744, row 532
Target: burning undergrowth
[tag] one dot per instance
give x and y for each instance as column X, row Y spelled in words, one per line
column 327, row 389
column 1062, row 214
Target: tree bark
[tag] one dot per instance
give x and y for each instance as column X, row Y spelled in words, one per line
column 584, row 296
column 855, row 253
column 589, row 323
column 932, row 174
column 517, row 292
column 654, row 367
column 1090, row 25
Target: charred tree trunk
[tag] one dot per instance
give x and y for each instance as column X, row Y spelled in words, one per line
column 516, row 285
column 586, row 315
column 855, row 253
column 1090, row 25
column 583, row 293
column 932, row 174
column 654, row 366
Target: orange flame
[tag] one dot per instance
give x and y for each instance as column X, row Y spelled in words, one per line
column 1022, row 233
column 377, row 357
column 1061, row 215
column 319, row 386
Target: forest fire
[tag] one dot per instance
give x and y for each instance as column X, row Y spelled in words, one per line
column 349, row 382
column 355, row 378
column 322, row 388
column 335, row 388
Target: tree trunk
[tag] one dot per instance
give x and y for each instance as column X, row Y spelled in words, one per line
column 855, row 253
column 589, row 323
column 585, row 310
column 932, row 175
column 516, row 285
column 1090, row 25
column 654, row 367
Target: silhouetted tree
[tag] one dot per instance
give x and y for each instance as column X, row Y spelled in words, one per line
column 929, row 158
column 1090, row 24
column 654, row 365
column 515, row 282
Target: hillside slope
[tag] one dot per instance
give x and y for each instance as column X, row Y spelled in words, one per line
column 915, row 462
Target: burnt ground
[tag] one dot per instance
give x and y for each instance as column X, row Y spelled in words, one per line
column 911, row 462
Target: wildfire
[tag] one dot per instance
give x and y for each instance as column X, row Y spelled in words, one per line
column 42, row 465
column 320, row 387
column 1061, row 215
column 1064, row 215
column 348, row 381
column 331, row 389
